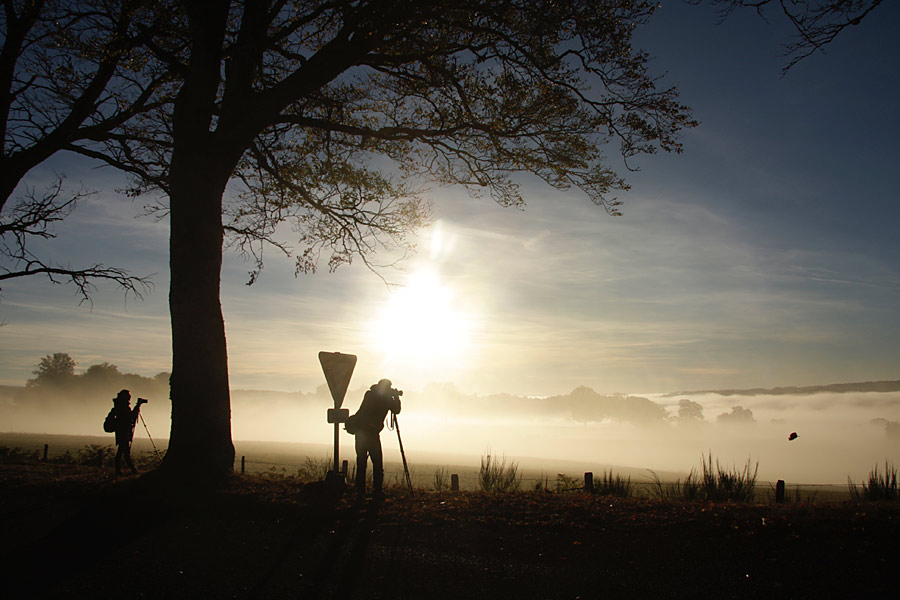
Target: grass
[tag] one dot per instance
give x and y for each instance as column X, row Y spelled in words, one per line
column 881, row 487
column 612, row 484
column 565, row 483
column 495, row 475
column 17, row 455
column 441, row 480
column 90, row 455
column 712, row 484
column 707, row 482
column 314, row 469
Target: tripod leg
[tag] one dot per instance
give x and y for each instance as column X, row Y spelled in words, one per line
column 403, row 455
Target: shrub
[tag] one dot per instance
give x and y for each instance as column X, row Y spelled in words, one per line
column 611, row 484
column 314, row 469
column 882, row 486
column 496, row 476
column 95, row 455
column 564, row 483
column 689, row 489
column 711, row 484
column 17, row 455
column 441, row 480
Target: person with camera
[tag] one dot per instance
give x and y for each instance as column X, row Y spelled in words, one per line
column 124, row 418
column 367, row 425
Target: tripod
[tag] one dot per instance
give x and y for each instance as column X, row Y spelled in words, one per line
column 396, row 425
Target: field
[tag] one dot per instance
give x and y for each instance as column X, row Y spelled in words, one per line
column 286, row 459
column 73, row 531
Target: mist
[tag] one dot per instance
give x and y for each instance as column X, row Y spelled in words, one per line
column 840, row 434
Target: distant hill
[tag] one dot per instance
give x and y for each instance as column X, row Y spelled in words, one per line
column 865, row 386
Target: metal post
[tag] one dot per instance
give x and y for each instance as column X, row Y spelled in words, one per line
column 337, row 441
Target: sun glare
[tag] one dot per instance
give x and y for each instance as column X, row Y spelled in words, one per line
column 423, row 327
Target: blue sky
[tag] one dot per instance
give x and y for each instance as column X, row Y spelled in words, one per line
column 766, row 254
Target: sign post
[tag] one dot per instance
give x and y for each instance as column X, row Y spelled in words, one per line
column 338, row 369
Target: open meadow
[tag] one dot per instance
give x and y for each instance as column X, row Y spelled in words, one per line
column 270, row 534
column 428, row 471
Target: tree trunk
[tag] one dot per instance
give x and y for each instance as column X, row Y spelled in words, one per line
column 200, row 445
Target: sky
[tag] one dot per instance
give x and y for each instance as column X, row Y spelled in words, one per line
column 766, row 254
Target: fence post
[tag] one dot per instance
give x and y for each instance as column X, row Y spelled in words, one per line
column 454, row 482
column 779, row 491
column 100, row 458
column 243, row 464
column 589, row 482
column 46, row 448
column 345, row 465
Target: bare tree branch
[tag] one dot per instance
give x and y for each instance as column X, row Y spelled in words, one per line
column 817, row 22
column 33, row 216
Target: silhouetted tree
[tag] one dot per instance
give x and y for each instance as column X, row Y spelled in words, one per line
column 71, row 71
column 296, row 101
column 53, row 369
column 891, row 428
column 586, row 406
column 103, row 371
column 817, row 22
column 738, row 416
column 689, row 412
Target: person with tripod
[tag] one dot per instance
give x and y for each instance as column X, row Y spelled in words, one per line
column 366, row 426
column 124, row 418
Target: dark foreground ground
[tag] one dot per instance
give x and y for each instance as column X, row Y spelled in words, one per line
column 69, row 532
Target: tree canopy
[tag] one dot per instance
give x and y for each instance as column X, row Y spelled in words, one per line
column 333, row 116
column 53, row 369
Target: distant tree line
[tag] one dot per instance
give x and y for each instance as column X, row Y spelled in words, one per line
column 582, row 404
column 55, row 376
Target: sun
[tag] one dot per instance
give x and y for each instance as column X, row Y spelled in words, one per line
column 423, row 326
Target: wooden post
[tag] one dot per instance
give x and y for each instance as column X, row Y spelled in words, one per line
column 344, row 467
column 46, row 448
column 243, row 464
column 100, row 458
column 454, row 483
column 589, row 482
column 779, row 491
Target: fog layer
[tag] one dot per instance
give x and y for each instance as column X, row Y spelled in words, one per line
column 839, row 434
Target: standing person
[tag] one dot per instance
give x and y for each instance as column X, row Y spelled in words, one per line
column 367, row 425
column 125, row 419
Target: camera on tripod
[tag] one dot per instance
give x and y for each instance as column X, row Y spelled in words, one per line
column 142, row 401
column 395, row 393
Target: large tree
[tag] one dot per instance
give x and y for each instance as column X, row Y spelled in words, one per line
column 330, row 114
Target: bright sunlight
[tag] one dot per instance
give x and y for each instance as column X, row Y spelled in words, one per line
column 423, row 327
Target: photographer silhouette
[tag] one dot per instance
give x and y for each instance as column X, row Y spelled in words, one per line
column 367, row 425
column 124, row 418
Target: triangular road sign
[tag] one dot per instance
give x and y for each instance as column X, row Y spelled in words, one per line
column 338, row 369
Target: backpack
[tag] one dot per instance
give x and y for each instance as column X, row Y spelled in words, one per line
column 109, row 423
column 350, row 425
